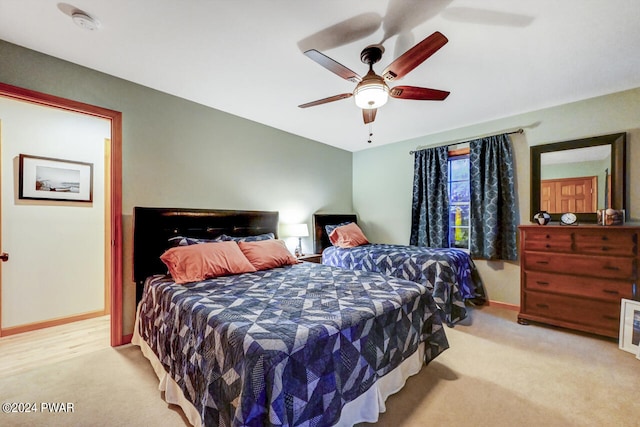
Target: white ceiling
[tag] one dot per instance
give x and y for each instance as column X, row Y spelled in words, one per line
column 244, row 57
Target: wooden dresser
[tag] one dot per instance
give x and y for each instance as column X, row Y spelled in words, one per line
column 575, row 276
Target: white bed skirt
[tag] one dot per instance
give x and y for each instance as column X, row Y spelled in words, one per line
column 366, row 408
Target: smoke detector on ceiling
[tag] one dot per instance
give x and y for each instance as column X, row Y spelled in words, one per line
column 85, row 21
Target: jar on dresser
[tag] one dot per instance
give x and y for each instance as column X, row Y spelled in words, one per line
column 575, row 276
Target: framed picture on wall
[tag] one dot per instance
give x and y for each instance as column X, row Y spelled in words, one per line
column 44, row 178
column 630, row 326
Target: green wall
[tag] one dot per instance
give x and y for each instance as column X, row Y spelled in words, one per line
column 180, row 154
column 383, row 176
column 177, row 153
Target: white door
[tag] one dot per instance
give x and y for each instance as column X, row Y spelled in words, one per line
column 56, row 248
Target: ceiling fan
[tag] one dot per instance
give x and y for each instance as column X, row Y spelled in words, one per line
column 372, row 91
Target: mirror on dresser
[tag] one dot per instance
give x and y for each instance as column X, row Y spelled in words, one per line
column 579, row 176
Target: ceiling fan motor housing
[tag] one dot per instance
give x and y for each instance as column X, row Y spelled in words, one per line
column 372, row 91
column 371, row 54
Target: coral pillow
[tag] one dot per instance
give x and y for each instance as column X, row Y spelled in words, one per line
column 348, row 236
column 329, row 228
column 267, row 254
column 194, row 263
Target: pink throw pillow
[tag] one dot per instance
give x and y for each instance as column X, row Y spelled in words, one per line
column 267, row 254
column 198, row 262
column 348, row 236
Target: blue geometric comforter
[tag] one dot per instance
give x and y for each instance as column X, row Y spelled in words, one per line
column 449, row 273
column 287, row 346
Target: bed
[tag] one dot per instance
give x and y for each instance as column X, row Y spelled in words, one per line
column 300, row 344
column 449, row 273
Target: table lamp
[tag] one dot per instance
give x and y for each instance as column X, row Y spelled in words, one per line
column 299, row 231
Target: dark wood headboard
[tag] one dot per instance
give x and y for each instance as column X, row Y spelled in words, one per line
column 320, row 237
column 153, row 227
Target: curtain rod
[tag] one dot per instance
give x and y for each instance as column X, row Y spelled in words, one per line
column 471, row 139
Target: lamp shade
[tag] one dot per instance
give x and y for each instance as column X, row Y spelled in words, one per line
column 371, row 92
column 295, row 230
column 372, row 95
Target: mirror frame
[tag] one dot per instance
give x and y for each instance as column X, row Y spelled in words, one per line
column 617, row 141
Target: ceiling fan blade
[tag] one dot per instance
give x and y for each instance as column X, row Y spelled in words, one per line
column 487, row 17
column 414, row 56
column 333, row 66
column 342, row 33
column 419, row 93
column 369, row 115
column 403, row 16
column 325, row 100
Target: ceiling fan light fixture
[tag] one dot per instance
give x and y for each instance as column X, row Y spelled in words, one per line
column 371, row 94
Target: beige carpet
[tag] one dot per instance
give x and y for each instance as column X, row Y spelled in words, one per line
column 496, row 373
column 499, row 373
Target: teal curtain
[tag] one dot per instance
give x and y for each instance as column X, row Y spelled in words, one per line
column 494, row 216
column 430, row 206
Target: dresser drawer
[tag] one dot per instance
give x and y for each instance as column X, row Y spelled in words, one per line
column 602, row 266
column 603, row 289
column 606, row 242
column 540, row 240
column 551, row 246
column 588, row 313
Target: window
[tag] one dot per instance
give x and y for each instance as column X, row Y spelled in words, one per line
column 459, row 199
column 485, row 226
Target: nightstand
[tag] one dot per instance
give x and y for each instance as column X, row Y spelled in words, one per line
column 317, row 258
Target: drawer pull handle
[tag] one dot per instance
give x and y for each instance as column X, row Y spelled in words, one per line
column 605, row 248
column 547, row 246
column 605, row 238
column 608, row 317
column 608, row 267
column 610, row 291
column 547, row 236
column 542, row 305
column 542, row 283
column 542, row 262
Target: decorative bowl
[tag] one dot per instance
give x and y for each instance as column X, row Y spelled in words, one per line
column 542, row 218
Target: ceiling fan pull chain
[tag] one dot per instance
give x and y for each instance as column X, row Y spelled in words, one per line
column 370, row 132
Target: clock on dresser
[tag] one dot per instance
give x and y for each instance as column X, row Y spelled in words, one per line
column 568, row 218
